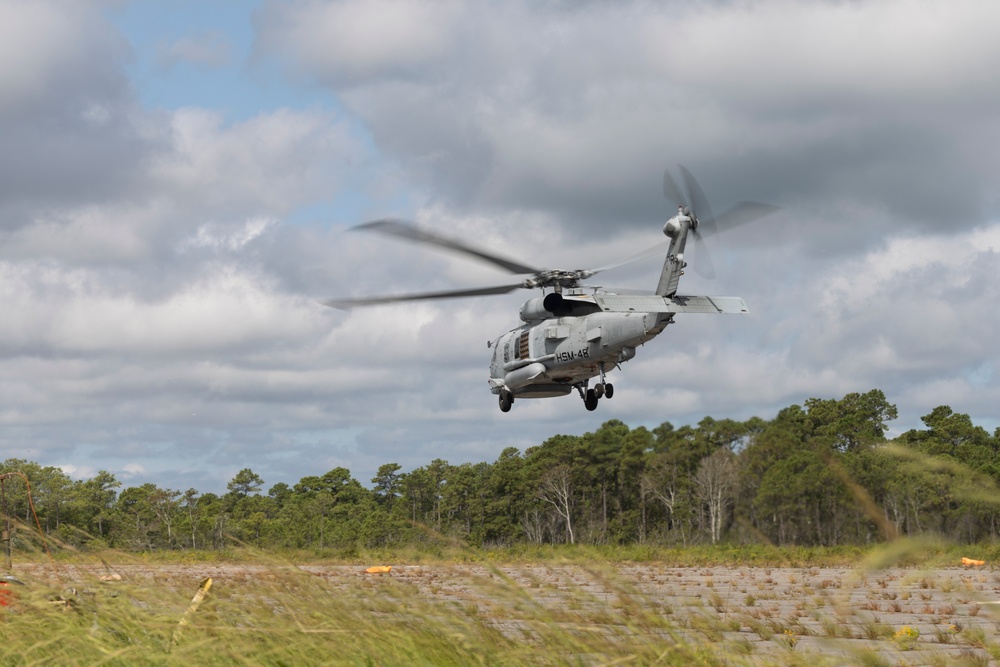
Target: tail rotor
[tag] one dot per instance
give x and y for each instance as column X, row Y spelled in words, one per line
column 705, row 225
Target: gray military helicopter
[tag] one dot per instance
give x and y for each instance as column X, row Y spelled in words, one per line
column 574, row 332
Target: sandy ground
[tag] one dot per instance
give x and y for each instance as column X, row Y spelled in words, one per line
column 761, row 613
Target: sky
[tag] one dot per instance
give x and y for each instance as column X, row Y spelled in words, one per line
column 177, row 180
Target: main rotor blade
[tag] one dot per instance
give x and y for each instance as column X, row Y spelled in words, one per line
column 658, row 249
column 406, row 230
column 347, row 304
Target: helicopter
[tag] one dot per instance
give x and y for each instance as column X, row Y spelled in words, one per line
column 575, row 333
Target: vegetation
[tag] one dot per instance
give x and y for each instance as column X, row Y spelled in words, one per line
column 582, row 607
column 817, row 475
column 280, row 615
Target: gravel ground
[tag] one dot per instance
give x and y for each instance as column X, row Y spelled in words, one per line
column 952, row 614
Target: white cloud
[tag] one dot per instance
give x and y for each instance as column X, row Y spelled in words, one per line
column 362, row 40
column 577, row 109
column 133, row 470
column 210, row 49
column 268, row 163
column 212, row 236
column 44, row 41
column 832, row 54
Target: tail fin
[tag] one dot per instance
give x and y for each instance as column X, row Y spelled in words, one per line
column 677, row 229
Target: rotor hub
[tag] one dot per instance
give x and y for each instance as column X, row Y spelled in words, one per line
column 684, row 215
column 557, row 278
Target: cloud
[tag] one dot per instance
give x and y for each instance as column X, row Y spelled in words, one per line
column 576, row 110
column 209, row 49
column 345, row 42
column 133, row 470
column 829, row 55
column 67, row 118
column 269, row 162
column 211, row 236
column 146, row 278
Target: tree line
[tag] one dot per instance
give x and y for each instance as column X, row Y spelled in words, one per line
column 821, row 473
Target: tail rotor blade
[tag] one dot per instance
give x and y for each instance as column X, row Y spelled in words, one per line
column 744, row 212
column 671, row 191
column 702, row 211
column 703, row 264
column 706, row 227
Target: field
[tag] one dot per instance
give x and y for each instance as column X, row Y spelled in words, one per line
column 555, row 611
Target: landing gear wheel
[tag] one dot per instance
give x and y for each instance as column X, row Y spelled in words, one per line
column 590, row 402
column 609, row 390
column 506, row 400
column 599, row 390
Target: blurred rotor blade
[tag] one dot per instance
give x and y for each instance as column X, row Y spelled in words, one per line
column 671, row 191
column 744, row 212
column 702, row 211
column 407, row 230
column 347, row 304
column 706, row 228
column 699, row 256
column 702, row 258
column 658, row 249
column 708, row 225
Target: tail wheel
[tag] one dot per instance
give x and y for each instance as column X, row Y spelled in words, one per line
column 609, row 390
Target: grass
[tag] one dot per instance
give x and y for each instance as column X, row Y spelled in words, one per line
column 276, row 614
column 534, row 606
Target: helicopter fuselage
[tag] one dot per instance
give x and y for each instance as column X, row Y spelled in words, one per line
column 569, row 338
column 550, row 357
column 566, row 340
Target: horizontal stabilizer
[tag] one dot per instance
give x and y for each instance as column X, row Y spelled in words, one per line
column 651, row 303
